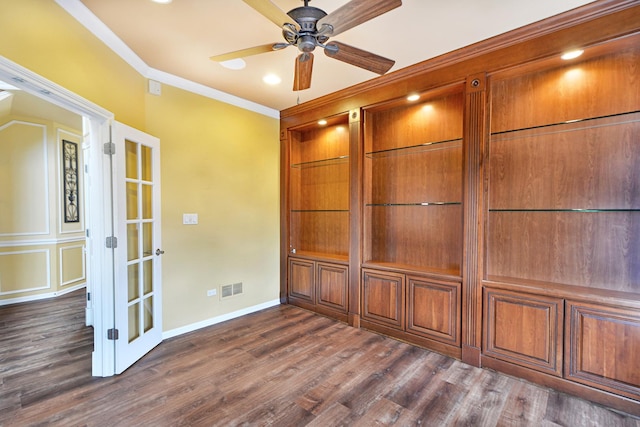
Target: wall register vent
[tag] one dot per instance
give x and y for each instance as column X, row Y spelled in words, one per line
column 227, row 291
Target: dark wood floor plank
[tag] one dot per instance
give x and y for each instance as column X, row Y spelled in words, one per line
column 283, row 366
column 525, row 405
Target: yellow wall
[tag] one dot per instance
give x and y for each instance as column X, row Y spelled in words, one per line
column 217, row 160
column 39, row 253
column 220, row 162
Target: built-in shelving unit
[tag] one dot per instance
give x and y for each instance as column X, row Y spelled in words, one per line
column 497, row 218
column 413, row 220
column 563, row 219
column 319, row 216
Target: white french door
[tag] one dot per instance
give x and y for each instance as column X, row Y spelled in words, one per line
column 137, row 256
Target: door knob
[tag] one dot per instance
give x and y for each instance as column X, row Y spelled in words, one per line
column 159, row 252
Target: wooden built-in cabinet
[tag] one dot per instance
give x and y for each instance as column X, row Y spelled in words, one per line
column 603, row 345
column 497, row 218
column 320, row 286
column 563, row 217
column 318, row 231
column 524, row 329
column 413, row 218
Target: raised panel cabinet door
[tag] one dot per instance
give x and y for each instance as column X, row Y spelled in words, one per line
column 433, row 309
column 524, row 329
column 383, row 299
column 332, row 285
column 604, row 347
column 301, row 280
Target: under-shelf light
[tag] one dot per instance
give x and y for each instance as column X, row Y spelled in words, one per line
column 572, row 54
column 322, row 122
column 413, row 97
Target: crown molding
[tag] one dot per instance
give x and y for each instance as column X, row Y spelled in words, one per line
column 91, row 22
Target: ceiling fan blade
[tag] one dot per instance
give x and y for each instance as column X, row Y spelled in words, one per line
column 248, row 52
column 358, row 57
column 304, row 66
column 355, row 13
column 272, row 12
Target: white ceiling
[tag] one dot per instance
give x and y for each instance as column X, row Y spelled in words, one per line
column 178, row 38
column 21, row 104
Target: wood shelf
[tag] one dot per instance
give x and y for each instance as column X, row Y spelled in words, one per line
column 569, row 125
column 416, row 149
column 341, row 160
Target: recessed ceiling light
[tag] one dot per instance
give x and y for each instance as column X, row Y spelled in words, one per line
column 412, row 98
column 572, row 54
column 162, row 1
column 234, row 64
column 271, row 79
column 322, row 122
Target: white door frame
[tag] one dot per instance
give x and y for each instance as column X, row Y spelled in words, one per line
column 99, row 223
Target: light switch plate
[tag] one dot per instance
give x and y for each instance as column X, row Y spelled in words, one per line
column 190, row 218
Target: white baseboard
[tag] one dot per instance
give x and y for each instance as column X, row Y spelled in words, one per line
column 218, row 319
column 42, row 296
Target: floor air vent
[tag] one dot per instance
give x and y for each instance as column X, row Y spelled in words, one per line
column 227, row 291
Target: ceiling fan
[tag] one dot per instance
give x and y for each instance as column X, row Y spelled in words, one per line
column 308, row 27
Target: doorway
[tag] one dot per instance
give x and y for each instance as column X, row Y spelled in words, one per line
column 109, row 178
column 98, row 213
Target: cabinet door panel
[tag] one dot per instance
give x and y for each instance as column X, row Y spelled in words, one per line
column 332, row 285
column 604, row 347
column 301, row 279
column 383, row 298
column 524, row 329
column 434, row 310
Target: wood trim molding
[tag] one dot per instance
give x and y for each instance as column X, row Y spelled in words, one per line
column 474, row 141
column 581, row 15
column 356, row 167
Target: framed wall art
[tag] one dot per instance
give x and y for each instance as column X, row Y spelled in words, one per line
column 70, row 179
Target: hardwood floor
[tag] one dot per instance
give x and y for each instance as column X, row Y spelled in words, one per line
column 283, row 367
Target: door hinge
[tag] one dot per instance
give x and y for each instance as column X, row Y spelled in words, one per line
column 112, row 242
column 112, row 334
column 109, row 148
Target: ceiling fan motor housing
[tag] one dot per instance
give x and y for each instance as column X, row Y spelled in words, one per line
column 307, row 38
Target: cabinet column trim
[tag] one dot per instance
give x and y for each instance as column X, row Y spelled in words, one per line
column 474, row 138
column 355, row 221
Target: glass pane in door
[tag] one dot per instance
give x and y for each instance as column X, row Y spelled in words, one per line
column 147, row 239
column 146, row 164
column 134, row 321
column 131, row 159
column 141, row 254
column 148, row 314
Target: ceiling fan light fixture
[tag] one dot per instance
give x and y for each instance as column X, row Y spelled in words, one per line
column 162, row 1
column 271, row 79
column 308, row 27
column 234, row 64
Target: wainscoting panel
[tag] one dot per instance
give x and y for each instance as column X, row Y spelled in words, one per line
column 24, row 195
column 72, row 264
column 24, row 271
